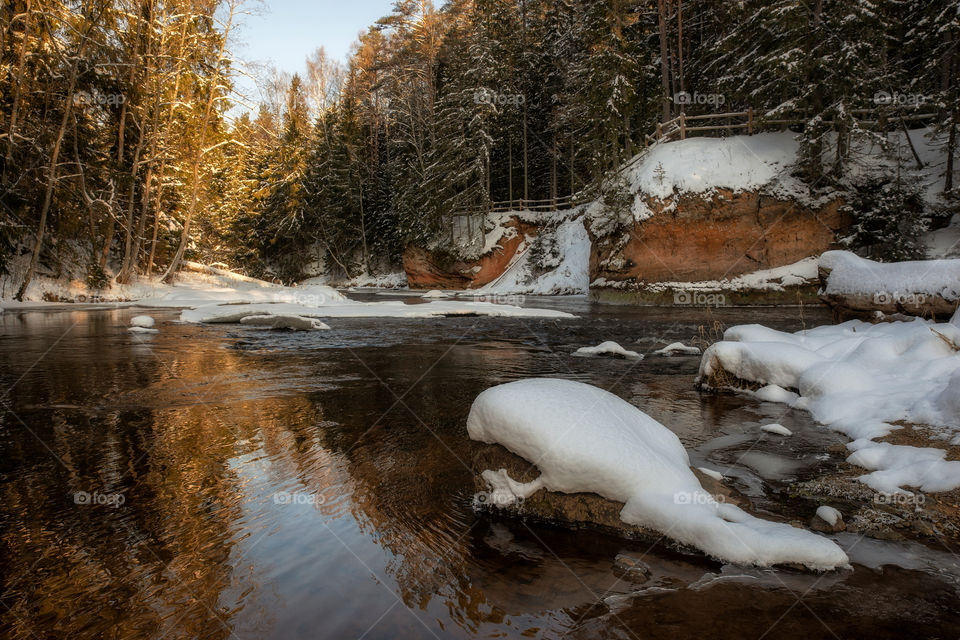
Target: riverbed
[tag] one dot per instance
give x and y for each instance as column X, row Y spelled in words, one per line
column 213, row 481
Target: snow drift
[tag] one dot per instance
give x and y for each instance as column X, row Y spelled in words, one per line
column 584, row 439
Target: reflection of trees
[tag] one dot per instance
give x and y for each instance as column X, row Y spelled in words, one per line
column 157, row 564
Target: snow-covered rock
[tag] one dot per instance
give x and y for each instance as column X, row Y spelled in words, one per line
column 678, row 347
column 828, row 519
column 609, row 348
column 778, row 429
column 142, row 324
column 859, row 379
column 584, row 439
column 284, row 321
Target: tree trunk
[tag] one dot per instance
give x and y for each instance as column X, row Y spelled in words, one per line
column 205, row 123
column 14, row 110
column 52, row 169
column 664, row 68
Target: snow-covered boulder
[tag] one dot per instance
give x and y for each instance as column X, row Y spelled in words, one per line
column 585, row 440
column 855, row 285
column 142, row 324
column 608, row 348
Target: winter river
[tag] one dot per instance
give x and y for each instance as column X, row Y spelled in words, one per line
column 212, row 481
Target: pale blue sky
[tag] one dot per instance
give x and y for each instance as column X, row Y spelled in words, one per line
column 285, row 32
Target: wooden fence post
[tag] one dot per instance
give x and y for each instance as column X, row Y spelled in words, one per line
column 750, row 121
column 683, row 126
column 659, row 131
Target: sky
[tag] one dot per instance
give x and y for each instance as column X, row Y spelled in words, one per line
column 285, row 32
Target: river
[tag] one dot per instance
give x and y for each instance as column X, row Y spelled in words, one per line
column 211, row 481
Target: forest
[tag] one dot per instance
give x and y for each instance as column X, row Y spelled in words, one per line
column 124, row 149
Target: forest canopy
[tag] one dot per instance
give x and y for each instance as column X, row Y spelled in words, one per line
column 124, row 150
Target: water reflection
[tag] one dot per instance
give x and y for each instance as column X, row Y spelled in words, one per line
column 280, row 485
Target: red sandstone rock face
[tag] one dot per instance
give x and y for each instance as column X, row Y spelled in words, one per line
column 721, row 236
column 427, row 270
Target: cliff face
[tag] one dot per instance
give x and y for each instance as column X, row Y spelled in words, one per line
column 692, row 237
column 431, row 270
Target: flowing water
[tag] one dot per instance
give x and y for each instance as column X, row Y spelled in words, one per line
column 219, row 482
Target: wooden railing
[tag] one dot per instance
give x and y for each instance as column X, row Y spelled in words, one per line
column 678, row 129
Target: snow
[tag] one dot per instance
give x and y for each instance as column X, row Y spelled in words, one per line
column 678, row 347
column 216, row 295
column 778, row 429
column 716, row 475
column 228, row 313
column 567, row 273
column 774, row 393
column 863, row 380
column 584, row 439
column 829, row 515
column 699, row 165
column 142, row 324
column 851, row 274
column 284, row 321
column 774, row 279
column 435, row 293
column 142, row 330
column 396, row 280
column 608, row 348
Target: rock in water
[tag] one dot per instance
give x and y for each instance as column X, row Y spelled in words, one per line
column 585, row 440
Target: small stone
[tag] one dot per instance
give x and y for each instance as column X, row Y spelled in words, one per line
column 637, row 570
column 828, row 520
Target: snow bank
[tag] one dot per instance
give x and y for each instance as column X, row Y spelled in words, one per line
column 698, row 165
column 216, row 295
column 859, row 379
column 608, row 348
column 851, row 274
column 775, row 279
column 584, row 439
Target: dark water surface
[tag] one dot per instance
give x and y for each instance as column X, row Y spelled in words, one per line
column 219, row 482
